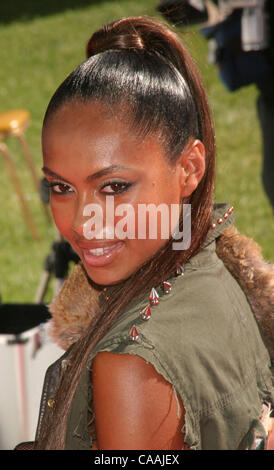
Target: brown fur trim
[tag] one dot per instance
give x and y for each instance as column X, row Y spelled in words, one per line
column 243, row 258
column 73, row 308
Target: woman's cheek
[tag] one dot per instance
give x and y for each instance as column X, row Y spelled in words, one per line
column 62, row 219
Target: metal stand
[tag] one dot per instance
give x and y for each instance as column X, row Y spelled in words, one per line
column 56, row 266
column 11, row 169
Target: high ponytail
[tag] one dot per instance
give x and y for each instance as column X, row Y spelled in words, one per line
column 140, row 63
column 144, row 35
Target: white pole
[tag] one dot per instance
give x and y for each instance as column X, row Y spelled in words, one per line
column 21, row 390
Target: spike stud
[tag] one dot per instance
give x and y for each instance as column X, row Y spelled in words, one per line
column 166, row 287
column 180, row 270
column 154, row 297
column 146, row 313
column 133, row 333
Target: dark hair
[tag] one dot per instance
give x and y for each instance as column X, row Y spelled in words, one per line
column 141, row 64
column 157, row 96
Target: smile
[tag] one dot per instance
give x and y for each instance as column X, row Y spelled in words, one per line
column 103, row 255
column 100, row 251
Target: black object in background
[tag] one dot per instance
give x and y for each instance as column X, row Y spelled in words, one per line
column 181, row 12
column 58, row 259
column 17, row 318
column 44, row 191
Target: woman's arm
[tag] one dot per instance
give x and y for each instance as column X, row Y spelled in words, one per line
column 135, row 408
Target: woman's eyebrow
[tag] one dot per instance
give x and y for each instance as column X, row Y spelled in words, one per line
column 106, row 171
column 97, row 174
column 49, row 172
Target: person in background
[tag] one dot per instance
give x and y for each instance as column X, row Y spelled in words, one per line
column 241, row 45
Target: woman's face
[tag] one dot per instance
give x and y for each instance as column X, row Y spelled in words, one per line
column 94, row 163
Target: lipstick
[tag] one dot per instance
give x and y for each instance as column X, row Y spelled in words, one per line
column 101, row 254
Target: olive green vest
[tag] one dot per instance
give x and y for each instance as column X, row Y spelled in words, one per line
column 203, row 338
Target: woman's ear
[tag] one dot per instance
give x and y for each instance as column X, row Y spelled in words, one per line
column 192, row 162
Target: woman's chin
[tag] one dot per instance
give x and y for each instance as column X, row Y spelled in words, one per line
column 106, row 276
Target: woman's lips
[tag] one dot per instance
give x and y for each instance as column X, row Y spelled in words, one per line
column 102, row 255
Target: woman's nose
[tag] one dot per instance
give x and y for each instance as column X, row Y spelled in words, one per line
column 80, row 216
column 88, row 221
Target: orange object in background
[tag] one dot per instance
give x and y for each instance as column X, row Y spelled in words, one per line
column 13, row 124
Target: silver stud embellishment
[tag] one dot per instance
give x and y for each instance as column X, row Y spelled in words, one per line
column 166, row 287
column 224, row 217
column 146, row 313
column 154, row 297
column 180, row 270
column 133, row 333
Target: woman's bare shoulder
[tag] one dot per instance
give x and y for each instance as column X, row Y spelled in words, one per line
column 135, row 407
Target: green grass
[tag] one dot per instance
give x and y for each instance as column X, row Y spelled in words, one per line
column 41, row 42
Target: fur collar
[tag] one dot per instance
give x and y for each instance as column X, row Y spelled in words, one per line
column 242, row 256
column 77, row 301
column 73, row 308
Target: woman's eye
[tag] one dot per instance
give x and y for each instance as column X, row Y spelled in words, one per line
column 60, row 188
column 115, row 187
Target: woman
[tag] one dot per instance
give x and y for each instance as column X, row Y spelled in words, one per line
column 163, row 350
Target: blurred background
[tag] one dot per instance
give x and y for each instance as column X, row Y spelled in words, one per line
column 41, row 42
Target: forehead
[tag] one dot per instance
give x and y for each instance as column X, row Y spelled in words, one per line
column 85, row 116
column 97, row 130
